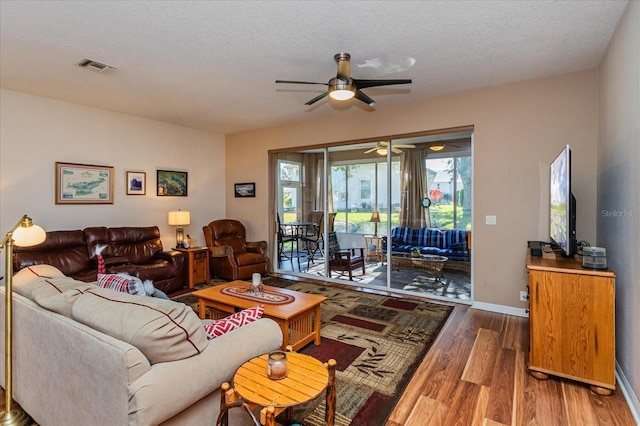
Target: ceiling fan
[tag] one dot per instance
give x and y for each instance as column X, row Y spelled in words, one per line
column 343, row 87
column 381, row 148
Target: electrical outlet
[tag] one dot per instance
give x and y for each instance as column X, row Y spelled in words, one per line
column 524, row 296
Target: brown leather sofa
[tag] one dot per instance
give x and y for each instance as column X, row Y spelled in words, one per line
column 232, row 256
column 136, row 251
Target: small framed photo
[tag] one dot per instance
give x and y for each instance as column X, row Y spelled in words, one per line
column 243, row 190
column 83, row 184
column 136, row 183
column 171, row 183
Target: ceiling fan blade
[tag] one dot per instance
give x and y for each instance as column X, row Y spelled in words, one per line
column 396, row 150
column 383, row 143
column 362, row 84
column 299, row 82
column 397, row 145
column 317, row 98
column 364, row 98
column 371, row 150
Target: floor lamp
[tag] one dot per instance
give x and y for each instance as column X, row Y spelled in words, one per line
column 23, row 233
column 375, row 218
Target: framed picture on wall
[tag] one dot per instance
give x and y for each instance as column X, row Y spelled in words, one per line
column 243, row 190
column 83, row 184
column 171, row 183
column 136, row 183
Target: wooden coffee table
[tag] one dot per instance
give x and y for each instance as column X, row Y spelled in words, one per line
column 299, row 320
column 306, row 379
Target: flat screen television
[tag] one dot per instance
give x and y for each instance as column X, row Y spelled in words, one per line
column 562, row 204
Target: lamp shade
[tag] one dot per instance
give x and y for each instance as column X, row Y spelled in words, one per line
column 28, row 234
column 375, row 217
column 179, row 218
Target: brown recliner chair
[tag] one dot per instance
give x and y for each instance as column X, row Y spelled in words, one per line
column 232, row 256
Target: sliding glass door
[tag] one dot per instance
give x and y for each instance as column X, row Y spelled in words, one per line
column 342, row 203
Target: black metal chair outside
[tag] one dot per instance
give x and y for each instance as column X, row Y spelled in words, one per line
column 312, row 235
column 314, row 238
column 285, row 236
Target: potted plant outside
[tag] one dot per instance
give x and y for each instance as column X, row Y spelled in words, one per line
column 415, row 252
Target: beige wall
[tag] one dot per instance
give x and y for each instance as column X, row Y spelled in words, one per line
column 519, row 129
column 619, row 184
column 49, row 131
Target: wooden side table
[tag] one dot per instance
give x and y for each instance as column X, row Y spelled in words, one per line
column 306, row 379
column 375, row 254
column 197, row 265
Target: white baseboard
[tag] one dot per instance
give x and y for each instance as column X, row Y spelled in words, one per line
column 627, row 392
column 508, row 310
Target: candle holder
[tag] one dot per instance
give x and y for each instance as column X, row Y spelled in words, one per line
column 277, row 365
column 256, row 284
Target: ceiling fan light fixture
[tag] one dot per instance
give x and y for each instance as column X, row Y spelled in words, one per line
column 436, row 147
column 341, row 91
column 382, row 151
column 343, row 87
column 341, row 95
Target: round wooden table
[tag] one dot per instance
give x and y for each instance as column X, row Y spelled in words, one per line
column 306, row 378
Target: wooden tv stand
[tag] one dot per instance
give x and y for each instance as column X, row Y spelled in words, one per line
column 572, row 322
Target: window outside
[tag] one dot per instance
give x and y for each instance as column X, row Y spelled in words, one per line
column 290, row 185
column 450, row 198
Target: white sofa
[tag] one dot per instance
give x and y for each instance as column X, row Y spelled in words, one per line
column 67, row 373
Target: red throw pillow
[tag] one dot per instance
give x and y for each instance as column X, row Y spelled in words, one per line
column 123, row 284
column 219, row 327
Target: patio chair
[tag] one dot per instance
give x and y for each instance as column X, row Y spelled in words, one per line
column 314, row 238
column 343, row 260
column 285, row 236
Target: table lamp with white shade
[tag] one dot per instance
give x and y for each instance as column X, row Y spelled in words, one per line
column 179, row 218
column 24, row 233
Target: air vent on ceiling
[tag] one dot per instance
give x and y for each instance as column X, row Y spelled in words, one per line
column 90, row 64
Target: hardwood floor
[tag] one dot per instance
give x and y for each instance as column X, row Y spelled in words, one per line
column 475, row 374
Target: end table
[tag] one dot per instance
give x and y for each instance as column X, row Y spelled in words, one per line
column 196, row 265
column 375, row 254
column 306, row 379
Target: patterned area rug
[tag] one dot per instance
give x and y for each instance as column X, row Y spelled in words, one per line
column 378, row 342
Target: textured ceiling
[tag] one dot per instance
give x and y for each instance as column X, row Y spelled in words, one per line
column 212, row 65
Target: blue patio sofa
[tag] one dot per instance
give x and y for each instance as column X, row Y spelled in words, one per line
column 452, row 243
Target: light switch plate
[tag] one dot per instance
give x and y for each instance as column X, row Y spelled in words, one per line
column 490, row 220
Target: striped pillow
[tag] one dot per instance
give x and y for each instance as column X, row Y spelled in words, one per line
column 219, row 327
column 122, row 283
